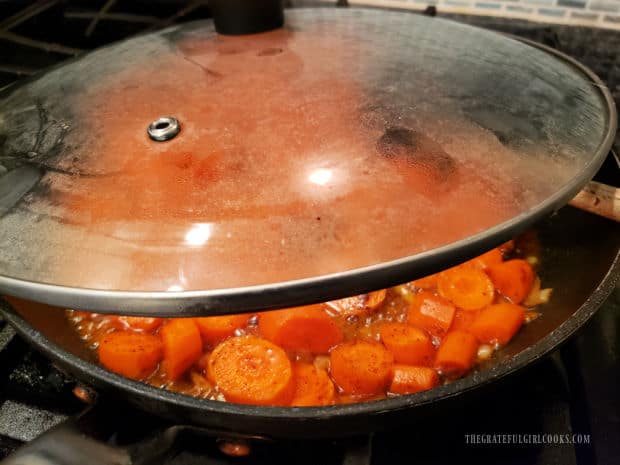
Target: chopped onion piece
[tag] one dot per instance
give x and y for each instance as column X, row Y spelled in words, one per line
column 321, row 362
column 485, row 352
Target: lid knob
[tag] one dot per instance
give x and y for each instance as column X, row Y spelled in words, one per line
column 246, row 16
column 164, row 128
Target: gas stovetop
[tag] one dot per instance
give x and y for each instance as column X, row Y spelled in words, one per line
column 563, row 410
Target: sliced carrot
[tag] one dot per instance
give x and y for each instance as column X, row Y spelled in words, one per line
column 513, row 279
column 130, row 354
column 215, row 329
column 466, row 287
column 312, row 386
column 251, row 370
column 487, row 259
column 410, row 379
column 507, row 247
column 431, row 313
column 427, row 282
column 182, row 346
column 308, row 329
column 138, row 323
column 361, row 367
column 498, row 323
column 456, row 353
column 463, row 319
column 359, row 304
column 408, row 344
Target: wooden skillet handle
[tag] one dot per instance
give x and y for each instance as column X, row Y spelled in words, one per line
column 600, row 199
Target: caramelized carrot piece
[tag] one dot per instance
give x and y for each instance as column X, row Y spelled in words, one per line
column 463, row 319
column 507, row 247
column 411, row 379
column 513, row 279
column 498, row 323
column 431, row 313
column 308, row 329
column 456, row 353
column 361, row 367
column 359, row 304
column 487, row 259
column 130, row 354
column 215, row 329
column 137, row 323
column 312, row 386
column 427, row 282
column 182, row 346
column 408, row 344
column 466, row 287
column 251, row 370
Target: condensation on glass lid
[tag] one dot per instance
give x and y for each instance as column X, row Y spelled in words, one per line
column 300, row 153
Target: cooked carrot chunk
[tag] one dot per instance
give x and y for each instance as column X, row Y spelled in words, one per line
column 487, row 259
column 312, row 386
column 138, row 323
column 182, row 346
column 308, row 329
column 357, row 305
column 427, row 282
column 463, row 319
column 513, row 279
column 410, row 379
column 215, row 329
column 431, row 313
column 507, row 247
column 498, row 323
column 130, row 354
column 408, row 344
column 361, row 367
column 466, row 287
column 251, row 370
column 456, row 353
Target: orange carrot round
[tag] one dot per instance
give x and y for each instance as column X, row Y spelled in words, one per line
column 215, row 329
column 312, row 386
column 361, row 367
column 498, row 323
column 427, row 282
column 130, row 354
column 307, row 329
column 466, row 287
column 408, row 344
column 138, row 323
column 182, row 346
column 456, row 353
column 410, row 379
column 487, row 259
column 357, row 305
column 507, row 247
column 251, row 370
column 431, row 313
column 513, row 279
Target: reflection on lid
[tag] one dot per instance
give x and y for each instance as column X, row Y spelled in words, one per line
column 199, row 234
column 321, row 176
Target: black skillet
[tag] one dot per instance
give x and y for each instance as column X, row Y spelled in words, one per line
column 579, row 259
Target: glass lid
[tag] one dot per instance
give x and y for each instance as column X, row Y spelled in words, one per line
column 184, row 172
